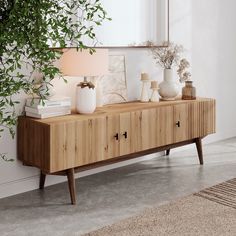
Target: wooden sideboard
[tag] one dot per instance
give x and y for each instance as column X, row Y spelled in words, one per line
column 63, row 145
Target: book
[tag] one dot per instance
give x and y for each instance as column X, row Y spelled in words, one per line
column 44, row 110
column 52, row 102
column 48, row 115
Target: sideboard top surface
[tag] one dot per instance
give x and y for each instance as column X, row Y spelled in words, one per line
column 114, row 109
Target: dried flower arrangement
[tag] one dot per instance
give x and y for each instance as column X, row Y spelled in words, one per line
column 184, row 75
column 169, row 56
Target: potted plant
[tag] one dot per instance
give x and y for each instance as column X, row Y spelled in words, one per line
column 28, row 32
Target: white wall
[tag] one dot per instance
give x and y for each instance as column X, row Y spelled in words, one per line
column 213, row 50
column 206, row 29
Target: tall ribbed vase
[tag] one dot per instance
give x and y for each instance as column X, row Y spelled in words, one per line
column 169, row 88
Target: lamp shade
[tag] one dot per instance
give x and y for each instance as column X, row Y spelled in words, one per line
column 75, row 62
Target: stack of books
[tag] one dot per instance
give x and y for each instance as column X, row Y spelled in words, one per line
column 55, row 106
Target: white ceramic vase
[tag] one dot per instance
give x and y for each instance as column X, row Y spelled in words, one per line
column 169, row 88
column 86, row 100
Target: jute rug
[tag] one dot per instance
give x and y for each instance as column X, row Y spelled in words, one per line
column 224, row 193
column 211, row 212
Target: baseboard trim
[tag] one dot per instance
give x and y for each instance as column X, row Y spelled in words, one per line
column 18, row 186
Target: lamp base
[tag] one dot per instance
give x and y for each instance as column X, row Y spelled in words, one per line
column 85, row 100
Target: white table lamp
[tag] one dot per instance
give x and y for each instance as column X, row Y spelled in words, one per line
column 78, row 63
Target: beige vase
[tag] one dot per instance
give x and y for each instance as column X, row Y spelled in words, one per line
column 169, row 87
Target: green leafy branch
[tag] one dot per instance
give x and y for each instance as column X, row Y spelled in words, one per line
column 28, row 31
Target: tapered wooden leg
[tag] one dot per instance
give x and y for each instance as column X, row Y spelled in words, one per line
column 198, row 142
column 167, row 152
column 42, row 180
column 71, row 183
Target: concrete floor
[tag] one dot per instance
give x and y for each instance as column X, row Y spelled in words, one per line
column 113, row 195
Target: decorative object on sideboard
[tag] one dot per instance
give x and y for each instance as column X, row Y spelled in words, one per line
column 53, row 106
column 77, row 63
column 188, row 92
column 114, row 84
column 168, row 57
column 86, row 97
column 182, row 71
column 145, row 81
column 169, row 88
column 155, row 95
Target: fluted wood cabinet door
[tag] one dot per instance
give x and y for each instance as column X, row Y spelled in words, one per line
column 208, row 118
column 202, row 118
column 148, row 129
column 194, row 120
column 136, row 136
column 60, row 154
column 143, row 129
column 118, row 135
column 164, row 126
column 77, row 143
column 151, row 128
column 181, row 122
column 91, row 140
column 125, row 134
column 113, row 135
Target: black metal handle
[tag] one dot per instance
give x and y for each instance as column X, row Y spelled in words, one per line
column 125, row 134
column 177, row 123
column 116, row 136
